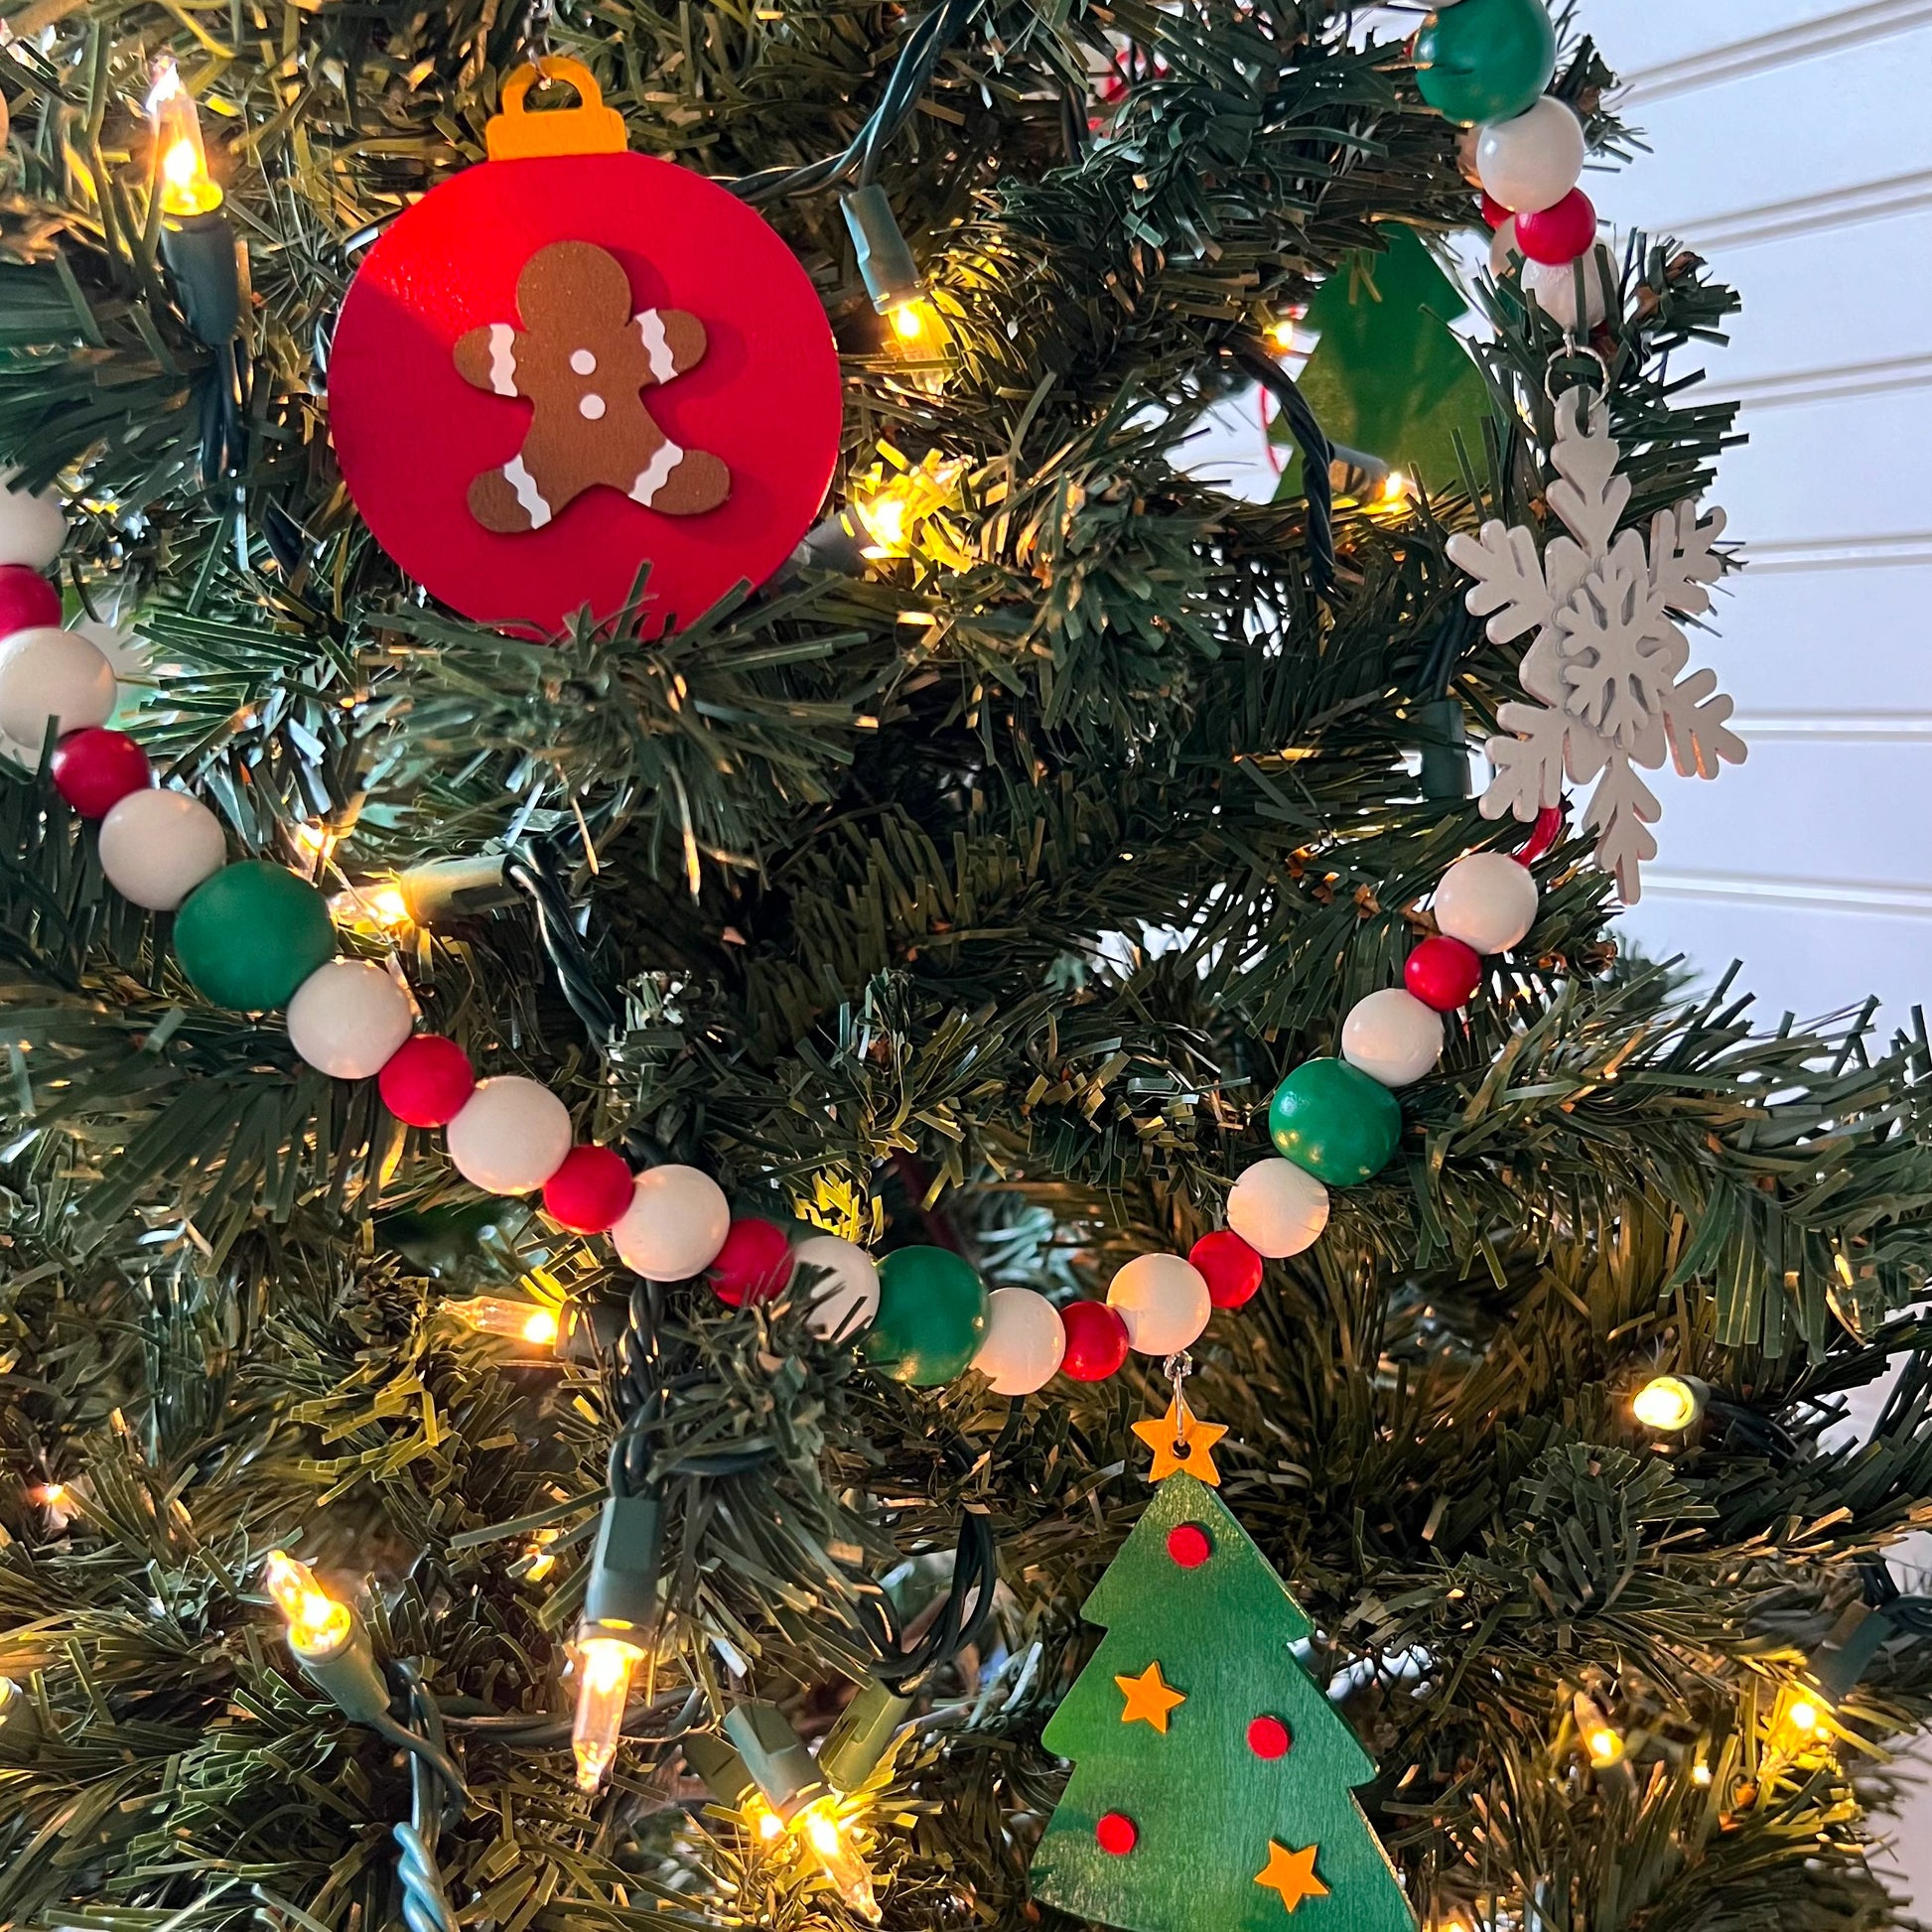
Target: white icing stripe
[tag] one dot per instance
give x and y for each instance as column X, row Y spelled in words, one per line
column 658, row 346
column 503, row 359
column 528, row 493
column 657, row 473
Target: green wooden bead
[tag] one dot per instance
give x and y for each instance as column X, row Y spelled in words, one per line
column 251, row 935
column 931, row 1316
column 1485, row 60
column 1334, row 1120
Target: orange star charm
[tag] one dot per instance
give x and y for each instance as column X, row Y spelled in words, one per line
column 1291, row 1874
column 1149, row 1700
column 1181, row 1443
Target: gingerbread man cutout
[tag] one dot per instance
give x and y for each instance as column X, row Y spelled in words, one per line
column 582, row 359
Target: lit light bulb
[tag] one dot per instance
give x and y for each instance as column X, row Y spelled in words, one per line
column 911, row 320
column 180, row 163
column 318, row 1624
column 1669, row 1403
column 885, row 518
column 1803, row 1717
column 498, row 1314
column 603, row 1665
column 1699, row 1773
column 1605, row 1748
column 1395, row 492
column 769, row 1826
column 828, row 1838
column 311, row 837
column 51, row 1496
column 1282, row 335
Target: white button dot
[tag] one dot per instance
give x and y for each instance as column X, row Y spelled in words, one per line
column 591, row 406
column 583, row 361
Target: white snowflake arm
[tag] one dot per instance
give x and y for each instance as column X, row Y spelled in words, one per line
column 1683, row 561
column 1591, row 496
column 1509, row 588
column 1528, row 762
column 1697, row 716
column 1622, row 810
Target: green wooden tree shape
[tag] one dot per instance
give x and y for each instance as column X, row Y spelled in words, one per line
column 1389, row 377
column 1212, row 1777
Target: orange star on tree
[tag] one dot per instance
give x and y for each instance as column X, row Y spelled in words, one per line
column 1149, row 1700
column 1291, row 1874
column 1181, row 1443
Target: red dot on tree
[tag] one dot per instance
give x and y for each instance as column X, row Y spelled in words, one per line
column 1443, row 972
column 1268, row 1737
column 95, row 770
column 589, row 1194
column 753, row 1265
column 1231, row 1269
column 426, row 1080
column 1117, row 1833
column 1189, row 1545
column 1096, row 1341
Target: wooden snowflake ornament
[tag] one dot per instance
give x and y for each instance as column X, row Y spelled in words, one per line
column 1608, row 658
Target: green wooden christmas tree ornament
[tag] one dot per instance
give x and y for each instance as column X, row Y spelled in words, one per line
column 251, row 935
column 1389, row 377
column 931, row 1316
column 1484, row 59
column 1212, row 1789
column 1336, row 1121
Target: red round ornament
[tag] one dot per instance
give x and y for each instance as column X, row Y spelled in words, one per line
column 1096, row 1341
column 1115, row 1832
column 1268, row 1737
column 1494, row 214
column 95, row 770
column 1560, row 232
column 753, row 1265
column 1231, row 1269
column 27, row 601
column 589, row 1194
column 1189, row 1545
column 1443, row 972
column 426, row 1080
column 573, row 363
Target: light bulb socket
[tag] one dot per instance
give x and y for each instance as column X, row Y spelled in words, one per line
column 1442, row 730
column 885, row 264
column 708, row 1758
column 832, row 545
column 862, row 1736
column 347, row 1675
column 456, row 889
column 1845, row 1655
column 204, row 258
column 1355, row 474
column 621, row 1597
column 589, row 1332
column 775, row 1757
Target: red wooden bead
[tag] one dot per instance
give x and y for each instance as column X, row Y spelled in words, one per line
column 1443, row 972
column 589, row 1194
column 95, row 770
column 1494, row 213
column 1560, row 232
column 1096, row 1341
column 1117, row 1833
column 1268, row 1737
column 1189, row 1545
column 27, row 600
column 753, row 1264
column 1231, row 1269
column 426, row 1080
